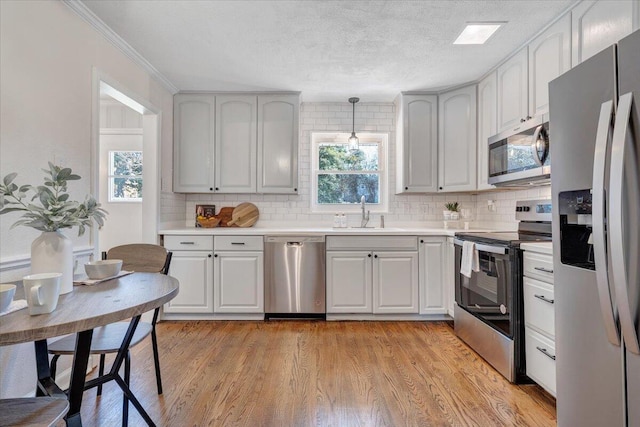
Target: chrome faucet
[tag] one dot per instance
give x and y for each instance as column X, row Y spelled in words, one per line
column 365, row 218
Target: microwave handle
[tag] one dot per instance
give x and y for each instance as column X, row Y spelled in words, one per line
column 534, row 146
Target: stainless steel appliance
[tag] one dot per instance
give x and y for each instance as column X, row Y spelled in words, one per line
column 489, row 307
column 294, row 276
column 595, row 126
column 520, row 156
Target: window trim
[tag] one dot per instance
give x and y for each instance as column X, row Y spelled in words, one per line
column 382, row 138
column 111, row 178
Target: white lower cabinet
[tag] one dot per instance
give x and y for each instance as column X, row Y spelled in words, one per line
column 194, row 272
column 349, row 281
column 238, row 280
column 539, row 317
column 395, row 282
column 433, row 292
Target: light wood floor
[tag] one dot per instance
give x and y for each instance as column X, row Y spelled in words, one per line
column 305, row 373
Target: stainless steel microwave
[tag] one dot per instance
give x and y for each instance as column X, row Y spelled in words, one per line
column 520, row 156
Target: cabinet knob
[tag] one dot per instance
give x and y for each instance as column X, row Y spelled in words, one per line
column 369, row 255
column 295, row 189
column 406, row 188
column 522, row 120
column 209, row 255
column 440, row 188
column 217, row 189
column 375, row 256
column 528, row 117
column 216, row 255
column 421, row 241
column 210, row 188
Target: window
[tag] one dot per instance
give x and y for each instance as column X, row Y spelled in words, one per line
column 125, row 176
column 341, row 177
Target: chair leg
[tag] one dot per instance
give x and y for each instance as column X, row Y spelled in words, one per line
column 125, row 401
column 54, row 365
column 101, row 373
column 156, row 358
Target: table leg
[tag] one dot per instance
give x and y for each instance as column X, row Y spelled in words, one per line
column 46, row 385
column 78, row 374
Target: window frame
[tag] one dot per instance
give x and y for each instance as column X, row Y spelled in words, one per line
column 382, row 139
column 111, row 179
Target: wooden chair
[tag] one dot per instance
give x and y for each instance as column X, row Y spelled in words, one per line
column 107, row 339
column 32, row 411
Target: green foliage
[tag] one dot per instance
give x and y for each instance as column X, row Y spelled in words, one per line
column 335, row 187
column 54, row 210
column 127, row 167
column 452, row 206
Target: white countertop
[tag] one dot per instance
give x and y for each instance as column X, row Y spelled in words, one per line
column 540, row 247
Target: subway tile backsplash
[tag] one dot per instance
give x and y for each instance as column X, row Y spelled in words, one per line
column 336, row 117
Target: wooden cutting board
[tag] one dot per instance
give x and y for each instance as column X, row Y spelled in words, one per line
column 244, row 215
column 225, row 216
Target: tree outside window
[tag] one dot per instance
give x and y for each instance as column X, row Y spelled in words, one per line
column 125, row 176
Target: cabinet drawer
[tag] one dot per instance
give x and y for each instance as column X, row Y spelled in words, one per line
column 541, row 364
column 538, row 266
column 539, row 308
column 372, row 243
column 188, row 243
column 238, row 243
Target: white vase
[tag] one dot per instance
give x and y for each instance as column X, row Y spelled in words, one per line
column 52, row 252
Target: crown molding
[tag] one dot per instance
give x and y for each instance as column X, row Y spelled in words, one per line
column 99, row 25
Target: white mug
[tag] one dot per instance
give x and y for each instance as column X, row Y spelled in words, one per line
column 42, row 291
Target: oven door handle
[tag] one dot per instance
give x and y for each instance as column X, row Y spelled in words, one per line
column 500, row 250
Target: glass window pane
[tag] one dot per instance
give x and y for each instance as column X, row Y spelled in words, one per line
column 338, row 157
column 348, row 188
column 128, row 163
column 126, row 188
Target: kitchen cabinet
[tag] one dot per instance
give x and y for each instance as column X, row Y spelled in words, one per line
column 236, row 143
column 417, row 143
column 487, row 126
column 193, row 143
column 513, row 90
column 432, row 268
column 549, row 56
column 598, row 24
column 539, row 315
column 457, row 140
column 238, row 281
column 192, row 265
column 278, row 143
column 372, row 274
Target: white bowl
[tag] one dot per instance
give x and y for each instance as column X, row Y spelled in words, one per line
column 6, row 295
column 103, row 268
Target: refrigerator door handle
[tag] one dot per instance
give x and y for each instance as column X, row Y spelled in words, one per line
column 607, row 308
column 621, row 275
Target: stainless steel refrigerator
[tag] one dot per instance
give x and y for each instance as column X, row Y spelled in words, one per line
column 594, row 130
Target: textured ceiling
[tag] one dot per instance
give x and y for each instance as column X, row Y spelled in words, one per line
column 328, row 50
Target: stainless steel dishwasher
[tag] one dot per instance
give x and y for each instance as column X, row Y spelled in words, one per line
column 294, row 277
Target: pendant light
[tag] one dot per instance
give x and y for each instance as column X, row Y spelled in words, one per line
column 354, row 142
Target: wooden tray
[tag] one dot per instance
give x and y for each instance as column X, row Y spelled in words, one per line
column 225, row 215
column 245, row 215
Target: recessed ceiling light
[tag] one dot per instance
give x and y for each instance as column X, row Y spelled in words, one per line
column 477, row 32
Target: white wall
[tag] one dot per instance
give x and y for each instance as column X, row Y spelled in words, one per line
column 47, row 55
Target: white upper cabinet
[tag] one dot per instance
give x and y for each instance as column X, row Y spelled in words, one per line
column 457, row 140
column 487, row 125
column 278, row 143
column 597, row 25
column 549, row 56
column 236, row 147
column 417, row 143
column 193, row 143
column 513, row 91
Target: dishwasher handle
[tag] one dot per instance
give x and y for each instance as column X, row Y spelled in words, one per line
column 294, row 240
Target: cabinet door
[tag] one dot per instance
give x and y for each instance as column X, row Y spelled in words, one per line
column 278, row 143
column 239, row 282
column 349, row 282
column 236, row 147
column 457, row 140
column 194, row 271
column 596, row 25
column 193, row 143
column 432, row 269
column 487, row 125
column 395, row 282
column 417, row 155
column 513, row 91
column 549, row 56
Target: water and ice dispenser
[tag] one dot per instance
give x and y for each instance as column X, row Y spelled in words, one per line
column 576, row 241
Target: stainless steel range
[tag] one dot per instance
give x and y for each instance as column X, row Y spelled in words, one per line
column 489, row 308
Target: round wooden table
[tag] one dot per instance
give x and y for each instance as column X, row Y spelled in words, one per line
column 80, row 311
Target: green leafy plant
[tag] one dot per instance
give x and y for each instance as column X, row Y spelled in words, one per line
column 55, row 210
column 452, row 206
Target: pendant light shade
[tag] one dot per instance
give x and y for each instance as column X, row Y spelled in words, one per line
column 354, row 142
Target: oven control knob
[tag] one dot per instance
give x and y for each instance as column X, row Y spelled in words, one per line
column 503, row 309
